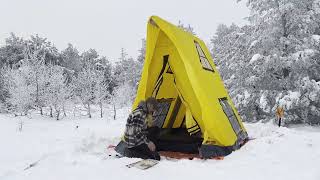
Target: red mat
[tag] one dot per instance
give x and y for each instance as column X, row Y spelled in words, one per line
column 177, row 155
column 180, row 155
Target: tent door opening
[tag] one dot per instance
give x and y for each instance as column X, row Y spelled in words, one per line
column 171, row 112
column 172, row 137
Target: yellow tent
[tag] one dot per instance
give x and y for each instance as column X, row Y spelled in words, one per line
column 180, row 73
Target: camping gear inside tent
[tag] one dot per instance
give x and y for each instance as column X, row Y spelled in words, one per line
column 195, row 113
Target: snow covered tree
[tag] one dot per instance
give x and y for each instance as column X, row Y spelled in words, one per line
column 284, row 30
column 92, row 84
column 56, row 90
column 124, row 95
column 27, row 69
column 231, row 51
column 127, row 73
column 71, row 58
column 3, row 91
column 20, row 90
column 142, row 52
column 89, row 58
column 187, row 28
column 127, row 70
column 38, row 53
column 12, row 52
column 270, row 59
column 83, row 88
column 30, row 55
column 104, row 80
column 101, row 91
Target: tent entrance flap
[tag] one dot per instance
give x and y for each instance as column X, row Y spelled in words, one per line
column 159, row 116
column 174, row 113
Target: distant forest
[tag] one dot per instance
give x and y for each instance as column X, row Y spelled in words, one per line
column 34, row 74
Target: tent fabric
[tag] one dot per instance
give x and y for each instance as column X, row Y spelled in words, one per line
column 178, row 66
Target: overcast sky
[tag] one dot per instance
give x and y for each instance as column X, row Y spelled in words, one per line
column 109, row 25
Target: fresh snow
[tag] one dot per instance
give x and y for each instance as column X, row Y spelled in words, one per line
column 74, row 148
column 255, row 58
column 241, row 34
column 242, row 98
column 290, row 99
column 303, row 55
column 263, row 103
column 316, row 38
column 253, row 43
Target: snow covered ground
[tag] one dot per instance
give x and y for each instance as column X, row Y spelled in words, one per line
column 75, row 149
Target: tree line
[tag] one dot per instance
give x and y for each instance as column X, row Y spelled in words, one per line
column 35, row 75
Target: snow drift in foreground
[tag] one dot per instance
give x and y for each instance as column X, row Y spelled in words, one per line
column 75, row 149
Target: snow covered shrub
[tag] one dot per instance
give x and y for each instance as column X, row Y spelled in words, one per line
column 302, row 105
column 21, row 91
column 310, row 100
column 290, row 103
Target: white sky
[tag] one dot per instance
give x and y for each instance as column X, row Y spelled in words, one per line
column 109, row 25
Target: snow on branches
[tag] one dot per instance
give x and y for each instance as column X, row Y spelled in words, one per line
column 273, row 61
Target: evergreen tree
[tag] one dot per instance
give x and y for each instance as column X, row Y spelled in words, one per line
column 71, row 58
column 12, row 52
column 265, row 64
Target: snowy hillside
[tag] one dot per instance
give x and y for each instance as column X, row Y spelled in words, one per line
column 75, row 148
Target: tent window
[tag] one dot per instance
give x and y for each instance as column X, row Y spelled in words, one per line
column 160, row 115
column 230, row 115
column 203, row 59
